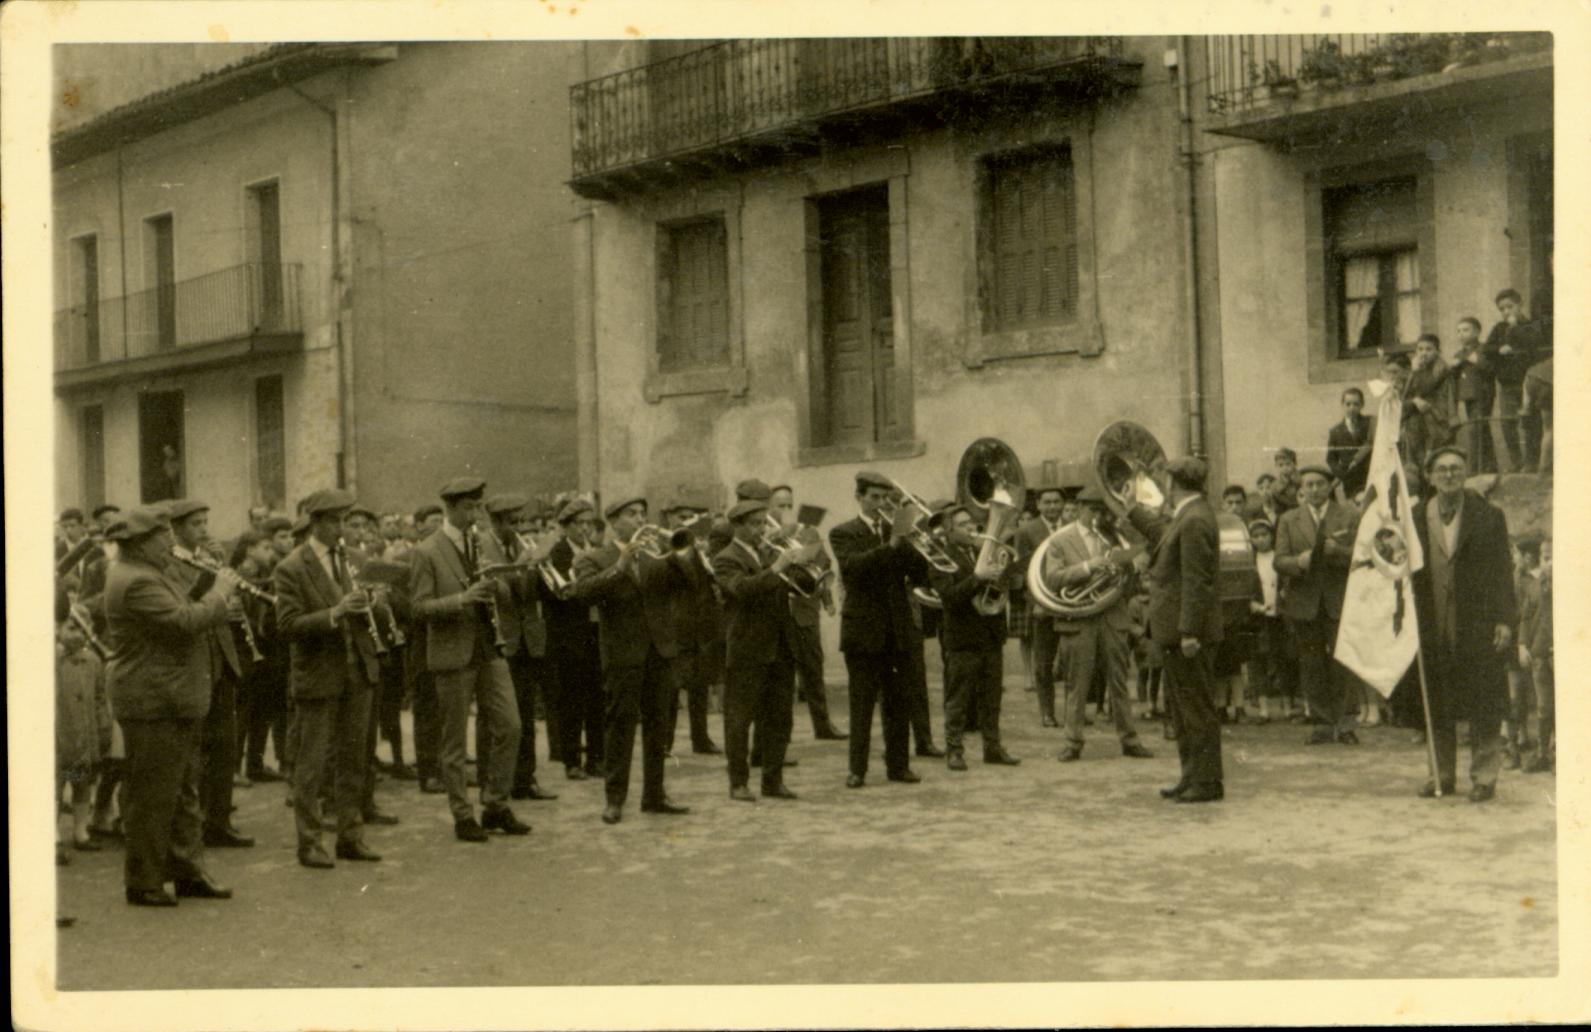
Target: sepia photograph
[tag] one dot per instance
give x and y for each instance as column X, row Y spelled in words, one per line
column 930, row 520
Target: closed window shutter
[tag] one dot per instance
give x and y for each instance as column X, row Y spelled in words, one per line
column 693, row 297
column 1035, row 241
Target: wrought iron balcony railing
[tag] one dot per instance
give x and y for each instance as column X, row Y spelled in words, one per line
column 232, row 304
column 1253, row 72
column 747, row 90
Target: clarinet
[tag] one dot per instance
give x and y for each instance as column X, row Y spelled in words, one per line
column 370, row 610
column 498, row 640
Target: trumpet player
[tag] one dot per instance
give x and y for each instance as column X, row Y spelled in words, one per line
column 633, row 595
column 1088, row 548
column 454, row 601
column 698, row 624
column 332, row 675
column 809, row 642
column 575, row 703
column 973, row 642
column 190, row 529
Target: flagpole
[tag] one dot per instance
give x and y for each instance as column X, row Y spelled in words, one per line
column 1425, row 701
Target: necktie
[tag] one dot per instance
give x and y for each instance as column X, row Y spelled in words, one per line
column 469, row 552
column 1447, row 510
column 339, row 568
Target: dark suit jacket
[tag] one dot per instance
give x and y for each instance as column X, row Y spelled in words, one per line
column 962, row 627
column 1341, row 446
column 221, row 640
column 437, row 582
column 569, row 623
column 636, row 609
column 1471, row 681
column 1525, row 339
column 159, row 642
column 757, row 618
column 805, row 609
column 698, row 617
column 1182, row 572
column 518, row 598
column 1319, row 592
column 877, row 611
column 321, row 651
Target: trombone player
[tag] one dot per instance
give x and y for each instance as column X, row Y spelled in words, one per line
column 1092, row 550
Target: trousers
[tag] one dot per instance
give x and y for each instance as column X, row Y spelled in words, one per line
column 881, row 679
column 1190, row 696
column 487, row 683
column 690, row 677
column 335, row 729
column 1046, row 643
column 1327, row 686
column 1090, row 644
column 760, row 693
column 163, row 823
column 809, row 677
column 219, row 751
column 974, row 683
column 636, row 695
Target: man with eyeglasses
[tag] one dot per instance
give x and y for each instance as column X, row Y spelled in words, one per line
column 1465, row 597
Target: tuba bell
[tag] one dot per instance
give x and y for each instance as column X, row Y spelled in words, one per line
column 991, row 485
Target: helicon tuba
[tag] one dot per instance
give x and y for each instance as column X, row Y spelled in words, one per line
column 990, row 483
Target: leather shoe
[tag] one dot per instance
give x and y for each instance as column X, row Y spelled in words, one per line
column 1000, row 757
column 708, row 748
column 1202, row 794
column 1347, row 738
column 778, row 792
column 1048, row 722
column 265, row 775
column 315, row 856
column 955, row 761
column 1070, row 754
column 1174, row 791
column 87, row 845
column 574, row 774
column 611, row 814
column 432, row 786
column 226, row 838
column 1320, row 736
column 855, row 781
column 201, row 887
column 403, row 772
column 151, row 898
column 906, row 777
column 379, row 817
column 1137, row 751
column 742, row 794
column 665, row 806
column 831, row 734
column 534, row 791
column 1537, row 764
column 469, row 830
column 1428, row 790
column 501, row 818
column 931, row 751
column 1481, row 793
column 356, row 850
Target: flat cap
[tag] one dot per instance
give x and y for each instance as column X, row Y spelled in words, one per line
column 276, row 523
column 1189, row 470
column 623, row 502
column 867, row 479
column 301, row 525
column 1091, row 493
column 1317, row 469
column 754, row 490
column 746, row 507
column 572, row 508
column 326, row 500
column 136, row 524
column 1397, row 358
column 100, row 510
column 360, row 510
column 462, row 487
column 938, row 509
column 182, row 508
column 1254, row 525
column 503, row 504
column 1446, row 449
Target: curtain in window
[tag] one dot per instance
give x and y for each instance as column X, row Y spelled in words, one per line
column 1361, row 281
column 1408, row 269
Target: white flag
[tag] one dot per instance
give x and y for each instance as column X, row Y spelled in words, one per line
column 1378, row 636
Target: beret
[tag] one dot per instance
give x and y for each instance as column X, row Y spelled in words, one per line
column 1321, row 470
column 754, row 490
column 182, row 508
column 460, row 487
column 1446, row 449
column 100, row 510
column 328, row 500
column 746, row 507
column 502, row 504
column 360, row 510
column 623, row 502
column 867, row 479
column 136, row 524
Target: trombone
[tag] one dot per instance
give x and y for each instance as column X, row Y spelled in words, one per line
column 805, row 579
column 919, row 536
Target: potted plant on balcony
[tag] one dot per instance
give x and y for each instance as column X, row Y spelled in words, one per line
column 1323, row 66
column 1270, row 82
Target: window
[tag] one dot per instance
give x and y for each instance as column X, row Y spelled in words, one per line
column 270, row 457
column 91, row 437
column 693, row 296
column 160, row 281
column 160, row 446
column 265, row 253
column 85, row 299
column 1373, row 265
column 1029, row 275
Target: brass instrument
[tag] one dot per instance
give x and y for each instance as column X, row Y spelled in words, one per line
column 990, row 483
column 556, row 582
column 920, row 537
column 85, row 623
column 652, row 540
column 492, row 612
column 805, row 579
column 927, row 597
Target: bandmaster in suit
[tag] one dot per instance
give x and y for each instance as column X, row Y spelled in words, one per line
column 454, row 598
column 877, row 633
column 1465, row 596
column 1185, row 619
column 633, row 594
column 1314, row 546
column 158, row 680
column 332, row 671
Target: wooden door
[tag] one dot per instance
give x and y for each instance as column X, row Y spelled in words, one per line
column 858, row 334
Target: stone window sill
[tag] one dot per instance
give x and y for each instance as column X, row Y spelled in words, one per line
column 834, row 454
column 1081, row 338
column 732, row 380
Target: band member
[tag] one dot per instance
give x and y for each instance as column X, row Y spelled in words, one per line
column 525, row 633
column 572, row 639
column 698, row 623
column 760, row 639
column 416, row 672
column 1086, row 548
column 1030, row 536
column 190, row 526
column 1185, row 620
column 264, row 686
column 456, row 600
column 808, row 641
column 877, row 634
column 158, row 680
column 973, row 643
column 633, row 595
column 1314, row 546
column 334, row 669
column 1465, row 597
column 380, row 625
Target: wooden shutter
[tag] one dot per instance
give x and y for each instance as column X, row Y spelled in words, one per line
column 693, row 294
column 1034, row 240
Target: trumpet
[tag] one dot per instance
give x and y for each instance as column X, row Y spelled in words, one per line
column 556, row 582
column 919, row 536
column 208, row 566
column 804, row 578
column 654, row 541
column 85, row 623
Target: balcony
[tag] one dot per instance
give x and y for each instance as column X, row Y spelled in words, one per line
column 742, row 103
column 197, row 323
column 1288, row 88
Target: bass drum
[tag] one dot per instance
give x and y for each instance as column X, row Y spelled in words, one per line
column 1235, row 576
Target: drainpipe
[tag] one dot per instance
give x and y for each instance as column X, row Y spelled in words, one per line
column 1194, row 356
column 339, row 279
column 587, row 442
column 121, row 236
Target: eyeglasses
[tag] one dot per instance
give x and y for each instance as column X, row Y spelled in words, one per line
column 1446, row 471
